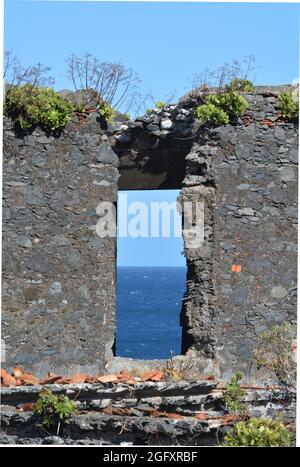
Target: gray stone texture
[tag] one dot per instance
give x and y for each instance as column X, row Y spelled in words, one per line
column 59, row 276
column 102, row 410
column 254, row 190
column 59, row 305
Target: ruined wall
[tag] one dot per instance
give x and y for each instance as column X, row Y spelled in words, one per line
column 59, row 277
column 58, row 309
column 185, row 413
column 152, row 148
column 244, row 278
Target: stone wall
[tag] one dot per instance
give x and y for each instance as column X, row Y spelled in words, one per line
column 152, row 149
column 59, row 276
column 244, row 278
column 186, row 413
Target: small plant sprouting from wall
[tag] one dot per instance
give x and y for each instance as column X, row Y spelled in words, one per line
column 180, row 370
column 240, row 85
column 257, row 432
column 115, row 84
column 29, row 106
column 211, row 113
column 289, row 105
column 107, row 112
column 79, row 108
column 221, row 108
column 237, row 72
column 275, row 355
column 110, row 84
column 54, row 409
column 232, row 103
column 233, row 395
column 160, row 104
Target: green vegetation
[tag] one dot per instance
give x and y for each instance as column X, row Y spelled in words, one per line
column 107, row 112
column 275, row 354
column 54, row 409
column 127, row 116
column 233, row 395
column 231, row 102
column 29, row 106
column 79, row 108
column 289, row 105
column 30, row 101
column 240, row 85
column 221, row 108
column 160, row 104
column 211, row 113
column 257, row 432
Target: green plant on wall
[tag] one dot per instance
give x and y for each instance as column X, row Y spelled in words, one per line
column 221, row 108
column 233, row 395
column 107, row 112
column 275, row 354
column 160, row 104
column 211, row 113
column 289, row 105
column 29, row 106
column 79, row 108
column 240, row 85
column 257, row 432
column 54, row 409
column 230, row 102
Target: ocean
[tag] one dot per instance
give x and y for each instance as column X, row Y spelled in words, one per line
column 148, row 311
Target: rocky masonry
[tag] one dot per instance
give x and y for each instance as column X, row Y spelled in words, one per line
column 244, row 277
column 163, row 413
column 59, row 275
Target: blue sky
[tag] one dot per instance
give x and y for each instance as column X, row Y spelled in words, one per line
column 165, row 43
column 147, row 251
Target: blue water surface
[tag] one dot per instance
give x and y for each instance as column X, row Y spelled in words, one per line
column 148, row 311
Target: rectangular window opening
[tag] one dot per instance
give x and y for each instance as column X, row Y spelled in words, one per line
column 151, row 275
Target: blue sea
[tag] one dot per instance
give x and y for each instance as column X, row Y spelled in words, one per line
column 148, row 311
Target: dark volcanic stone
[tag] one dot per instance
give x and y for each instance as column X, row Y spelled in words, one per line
column 77, row 156
column 39, row 263
column 59, row 276
column 34, row 196
column 73, row 259
column 106, row 155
